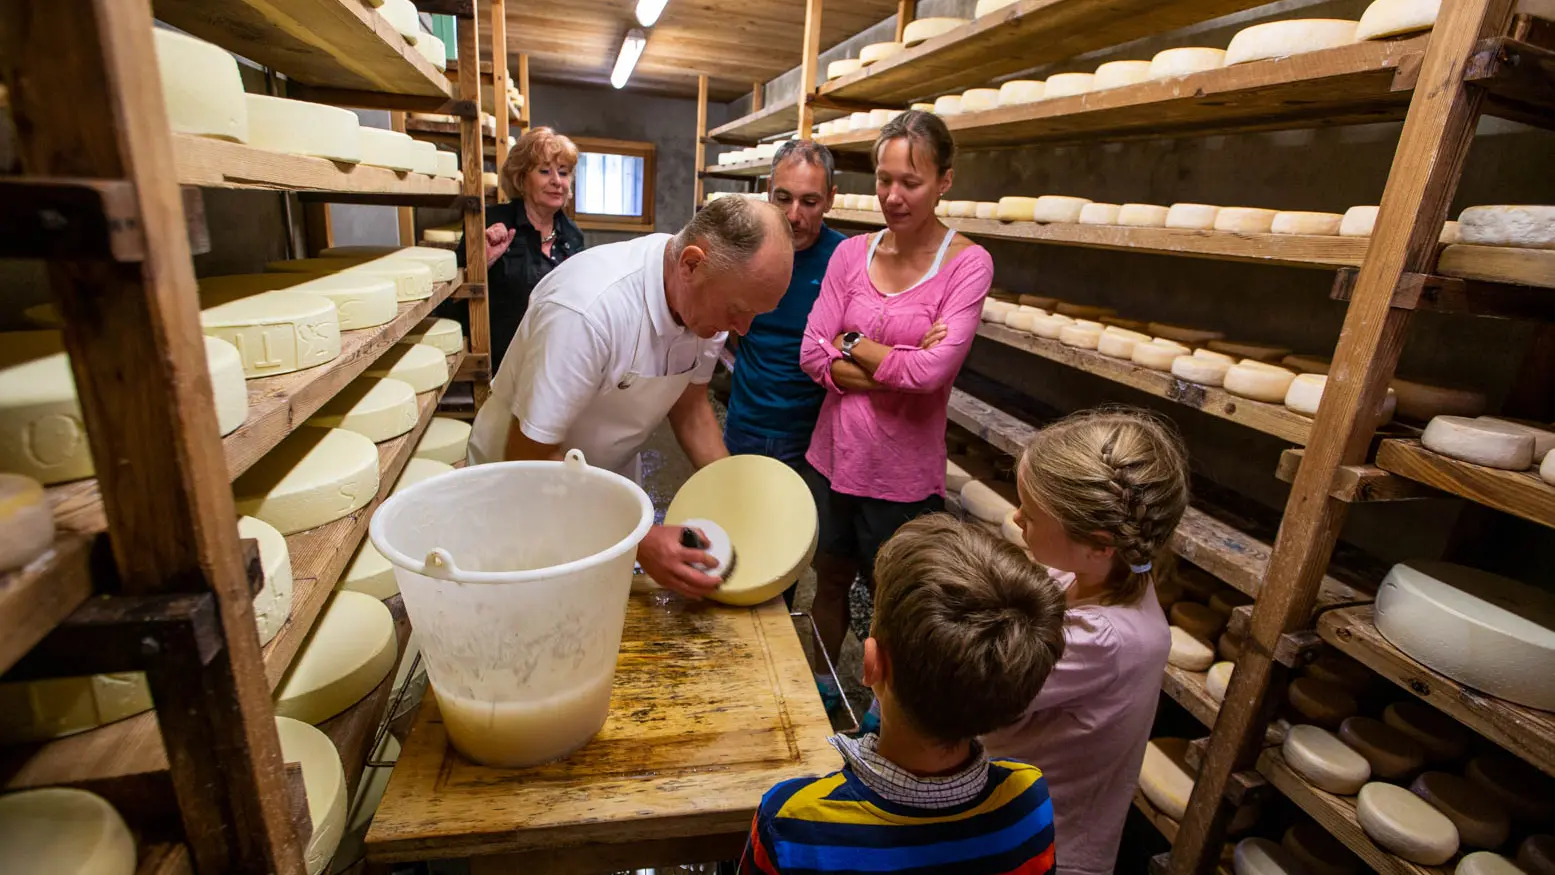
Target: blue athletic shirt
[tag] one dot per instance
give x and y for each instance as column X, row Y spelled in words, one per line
column 772, row 397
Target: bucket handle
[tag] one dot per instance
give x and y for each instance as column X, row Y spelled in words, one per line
column 574, row 460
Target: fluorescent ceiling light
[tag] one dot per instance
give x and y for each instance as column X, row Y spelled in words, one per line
column 631, row 49
column 648, row 11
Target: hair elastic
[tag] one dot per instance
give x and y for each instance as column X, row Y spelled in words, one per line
column 1141, row 569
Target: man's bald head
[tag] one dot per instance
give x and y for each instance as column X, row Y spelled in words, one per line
column 732, row 262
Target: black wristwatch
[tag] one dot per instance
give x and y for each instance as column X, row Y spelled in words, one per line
column 850, row 340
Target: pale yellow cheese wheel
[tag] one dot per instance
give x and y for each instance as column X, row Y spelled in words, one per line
column 63, row 831
column 350, row 650
column 324, row 781
column 377, row 408
column 928, row 28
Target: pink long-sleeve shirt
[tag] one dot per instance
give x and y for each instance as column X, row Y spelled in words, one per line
column 890, row 443
column 1088, row 727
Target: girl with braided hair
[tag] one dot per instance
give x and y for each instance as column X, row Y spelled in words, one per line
column 1100, row 493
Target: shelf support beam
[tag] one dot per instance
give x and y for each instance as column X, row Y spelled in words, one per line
column 472, row 162
column 499, row 87
column 701, row 143
column 810, row 57
column 1432, row 148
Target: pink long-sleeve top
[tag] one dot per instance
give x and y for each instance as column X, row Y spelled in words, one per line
column 890, row 442
column 1089, row 725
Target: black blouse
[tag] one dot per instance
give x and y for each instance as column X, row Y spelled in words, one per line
column 511, row 279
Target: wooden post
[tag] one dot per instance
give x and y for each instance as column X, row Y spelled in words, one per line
column 406, row 215
column 1431, row 151
column 472, row 160
column 810, row 57
column 701, row 144
column 525, row 112
column 758, row 96
column 906, row 11
column 499, row 79
column 84, row 106
column 318, row 228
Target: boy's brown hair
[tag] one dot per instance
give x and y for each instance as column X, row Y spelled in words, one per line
column 971, row 627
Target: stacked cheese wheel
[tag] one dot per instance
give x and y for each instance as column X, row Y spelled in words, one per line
column 1493, row 442
column 1199, row 608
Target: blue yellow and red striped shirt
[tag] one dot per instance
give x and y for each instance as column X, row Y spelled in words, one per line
column 993, row 819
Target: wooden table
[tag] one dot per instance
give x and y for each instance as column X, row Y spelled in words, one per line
column 712, row 706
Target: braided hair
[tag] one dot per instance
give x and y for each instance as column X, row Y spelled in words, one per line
column 1112, row 477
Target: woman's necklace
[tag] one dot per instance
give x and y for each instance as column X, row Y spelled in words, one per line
column 549, row 237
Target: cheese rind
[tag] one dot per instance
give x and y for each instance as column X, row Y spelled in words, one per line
column 1218, row 679
column 1182, row 333
column 349, row 652
column 1358, row 221
column 1050, row 326
column 1099, row 214
column 1116, row 346
column 424, row 367
column 1186, row 61
column 1116, row 74
column 298, row 127
column 1393, row 755
column 986, row 7
column 1188, row 652
column 39, row 710
column 1325, row 761
column 42, row 434
column 445, row 334
column 1192, row 217
column 273, row 604
column 1384, row 18
column 381, row 147
column 1018, row 91
column 1280, row 39
column 276, row 332
column 1197, row 620
column 324, row 781
column 1480, row 442
column 1421, row 401
column 1258, row 383
column 412, row 278
column 1298, row 222
column 1260, row 856
column 963, row 209
column 843, row 67
column 1058, row 208
column 432, row 48
column 1405, row 824
column 1482, row 821
column 1528, row 794
column 1319, row 703
column 1068, row 85
column 314, row 476
column 989, row 503
column 1245, row 220
column 443, row 263
column 375, row 408
column 227, row 384
column 928, row 28
column 879, row 52
column 986, row 210
column 1443, row 738
column 445, row 440
column 1487, row 863
column 402, row 16
column 1164, row 777
column 63, row 831
column 947, row 105
column 201, row 87
column 1543, row 438
column 1547, row 470
column 1536, row 855
column 1205, row 372
column 370, row 573
column 1143, row 216
column 361, row 300
column 26, row 522
column 1017, row 209
column 1157, row 356
column 1524, row 226
column 978, row 99
column 1079, row 336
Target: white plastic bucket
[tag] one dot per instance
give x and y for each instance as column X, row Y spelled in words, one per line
column 516, row 576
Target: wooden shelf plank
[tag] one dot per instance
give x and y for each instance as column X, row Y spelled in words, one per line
column 129, row 752
column 778, row 118
column 1353, row 84
column 1358, row 484
column 747, row 170
column 1290, row 250
column 1019, row 37
column 36, row 597
column 1187, row 688
column 1337, row 815
column 1526, row 267
column 164, row 859
column 341, row 44
column 1526, row 732
column 1163, row 824
column 1272, row 419
column 1520, row 493
column 212, row 163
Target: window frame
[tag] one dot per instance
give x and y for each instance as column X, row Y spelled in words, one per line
column 605, row 222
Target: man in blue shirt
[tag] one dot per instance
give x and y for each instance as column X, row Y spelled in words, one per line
column 774, row 404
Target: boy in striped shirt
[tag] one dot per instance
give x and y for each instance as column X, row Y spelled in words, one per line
column 966, row 629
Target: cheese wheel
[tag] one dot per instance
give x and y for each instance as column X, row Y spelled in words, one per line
column 1022, row 320
column 1259, row 856
column 1050, row 326
column 314, row 476
column 1185, row 61
column 878, row 118
column 417, row 470
column 1358, row 221
column 989, row 501
column 42, row 435
column 1183, row 334
column 986, row 210
column 376, row 408
column 1117, row 346
column 1099, row 214
column 412, row 278
column 1245, row 220
column 228, row 389
column 1205, row 372
column 1192, row 217
column 858, row 121
column 1198, row 620
column 1543, row 438
column 273, row 604
column 424, row 157
column 26, row 522
column 1524, row 227
column 1305, row 393
column 361, row 300
column 1038, row 301
column 424, row 367
column 1078, row 336
column 1228, row 600
column 963, row 209
column 448, row 168
column 1164, row 776
column 201, row 87
column 324, row 781
column 1113, row 327
column 1484, row 442
column 1486, row 863
column 63, row 831
column 961, row 470
column 1307, row 364
column 1058, row 208
column 1068, row 85
column 370, row 573
column 39, row 710
column 928, row 28
column 1421, row 401
column 445, row 440
column 1018, row 91
column 443, row 263
column 1393, row 755
column 276, row 332
column 1258, row 383
column 1209, row 355
column 402, row 16
column 1143, row 216
column 1116, row 74
column 1281, row 39
column 1017, row 209
column 977, row 99
column 1528, row 794
column 875, row 52
column 298, row 127
column 1547, row 470
column 1536, row 855
column 1405, row 824
column 1012, row 532
column 1452, row 232
column 1339, row 670
column 1087, row 323
column 922, row 107
column 443, row 334
column 1482, row 822
column 381, row 147
column 1136, row 328
column 844, row 67
column 433, row 49
column 1229, row 647
column 1443, row 738
column 1321, row 704
column 1318, row 851
column 349, row 652
column 1384, row 18
column 1218, row 679
column 985, row 7
column 1297, row 222
column 995, row 311
column 1167, row 592
column 1157, row 356
column 1188, row 651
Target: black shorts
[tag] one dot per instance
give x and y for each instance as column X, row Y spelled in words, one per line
column 853, row 527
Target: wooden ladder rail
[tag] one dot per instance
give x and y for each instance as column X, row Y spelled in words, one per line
column 88, row 105
column 472, row 162
column 1424, row 175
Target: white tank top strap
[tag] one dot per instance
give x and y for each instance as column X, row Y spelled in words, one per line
column 939, row 259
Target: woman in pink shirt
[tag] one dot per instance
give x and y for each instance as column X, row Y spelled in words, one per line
column 1100, row 493
column 895, row 320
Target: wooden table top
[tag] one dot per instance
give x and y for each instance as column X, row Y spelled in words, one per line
column 711, row 707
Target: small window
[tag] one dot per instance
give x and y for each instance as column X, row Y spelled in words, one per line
column 613, row 186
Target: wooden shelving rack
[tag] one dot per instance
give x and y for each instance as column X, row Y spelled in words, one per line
column 1479, row 59
column 140, row 577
